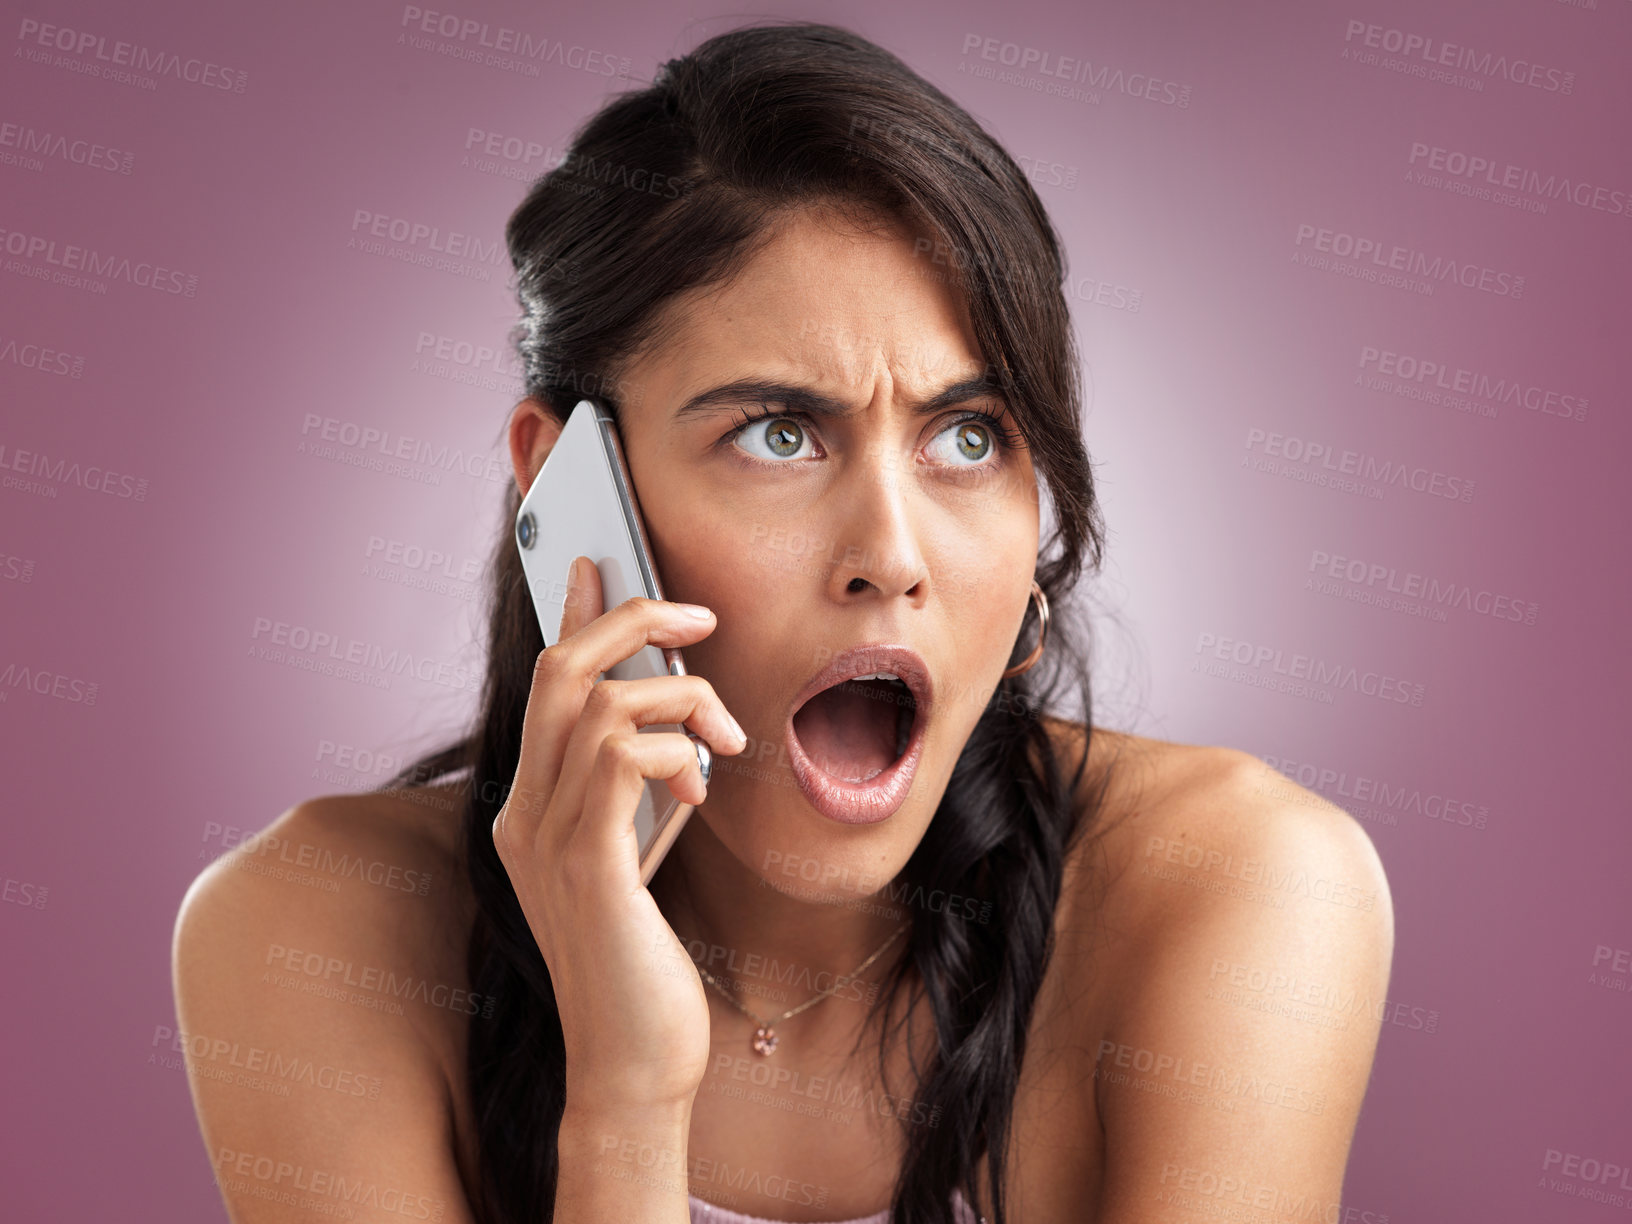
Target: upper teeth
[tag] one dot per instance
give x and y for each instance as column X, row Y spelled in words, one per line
column 878, row 676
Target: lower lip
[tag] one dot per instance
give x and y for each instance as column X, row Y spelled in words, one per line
column 867, row 802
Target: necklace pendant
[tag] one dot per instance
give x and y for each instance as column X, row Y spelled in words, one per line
column 765, row 1040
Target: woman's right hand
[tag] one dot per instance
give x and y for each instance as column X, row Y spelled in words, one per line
column 633, row 1013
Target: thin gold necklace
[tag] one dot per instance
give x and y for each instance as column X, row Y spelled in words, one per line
column 765, row 1039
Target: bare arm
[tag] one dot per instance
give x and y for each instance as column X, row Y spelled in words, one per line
column 322, row 1017
column 1231, row 1077
column 272, row 954
column 308, row 1021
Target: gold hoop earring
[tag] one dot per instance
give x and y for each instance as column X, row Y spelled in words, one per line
column 1026, row 664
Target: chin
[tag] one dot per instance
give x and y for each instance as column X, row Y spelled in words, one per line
column 796, row 851
column 822, row 880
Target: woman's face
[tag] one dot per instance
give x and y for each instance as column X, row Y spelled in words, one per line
column 809, row 533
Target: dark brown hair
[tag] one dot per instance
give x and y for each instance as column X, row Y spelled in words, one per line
column 667, row 189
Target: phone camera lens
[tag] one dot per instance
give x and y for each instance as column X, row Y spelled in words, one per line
column 526, row 530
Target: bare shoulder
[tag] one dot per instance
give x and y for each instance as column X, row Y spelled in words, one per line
column 367, row 868
column 1194, row 827
column 1239, row 932
column 333, row 888
column 1178, row 832
column 320, row 990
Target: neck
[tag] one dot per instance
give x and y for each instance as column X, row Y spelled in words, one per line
column 743, row 930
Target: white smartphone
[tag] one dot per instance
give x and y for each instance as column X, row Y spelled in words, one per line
column 583, row 504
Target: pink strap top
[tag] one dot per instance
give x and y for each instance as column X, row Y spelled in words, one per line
column 707, row 1213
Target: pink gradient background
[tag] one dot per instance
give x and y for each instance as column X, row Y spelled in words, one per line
column 108, row 806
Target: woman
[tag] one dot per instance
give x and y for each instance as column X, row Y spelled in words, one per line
column 923, row 953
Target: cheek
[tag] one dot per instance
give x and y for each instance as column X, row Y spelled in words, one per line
column 688, row 539
column 985, row 591
column 724, row 562
column 979, row 567
column 729, row 565
column 984, row 535
column 707, row 548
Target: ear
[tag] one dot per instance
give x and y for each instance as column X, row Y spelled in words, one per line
column 533, row 431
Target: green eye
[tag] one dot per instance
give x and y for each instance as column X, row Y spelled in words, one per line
column 769, row 438
column 972, row 441
column 971, row 438
column 783, row 437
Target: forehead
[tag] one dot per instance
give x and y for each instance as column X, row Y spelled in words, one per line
column 826, row 300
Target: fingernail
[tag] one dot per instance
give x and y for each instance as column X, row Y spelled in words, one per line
column 572, row 573
column 697, row 610
column 735, row 727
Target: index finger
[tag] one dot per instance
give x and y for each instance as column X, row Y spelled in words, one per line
column 583, row 603
column 591, row 642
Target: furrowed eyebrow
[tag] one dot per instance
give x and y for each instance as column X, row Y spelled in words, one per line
column 802, row 399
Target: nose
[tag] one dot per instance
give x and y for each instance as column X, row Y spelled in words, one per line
column 878, row 534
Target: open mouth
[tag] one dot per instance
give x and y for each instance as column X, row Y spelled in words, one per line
column 856, row 736
column 857, row 729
